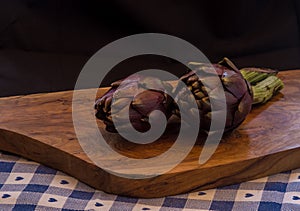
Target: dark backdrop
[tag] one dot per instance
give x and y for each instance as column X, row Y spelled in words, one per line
column 45, row 43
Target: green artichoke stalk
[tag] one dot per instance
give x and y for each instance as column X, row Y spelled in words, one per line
column 141, row 105
column 264, row 83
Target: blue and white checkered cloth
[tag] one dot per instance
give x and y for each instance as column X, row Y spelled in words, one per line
column 27, row 185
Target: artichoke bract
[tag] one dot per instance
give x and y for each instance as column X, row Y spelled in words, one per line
column 237, row 90
column 143, row 94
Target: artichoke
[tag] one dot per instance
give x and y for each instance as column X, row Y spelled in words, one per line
column 238, row 94
column 242, row 89
column 151, row 96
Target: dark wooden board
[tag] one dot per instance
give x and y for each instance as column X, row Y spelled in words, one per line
column 40, row 127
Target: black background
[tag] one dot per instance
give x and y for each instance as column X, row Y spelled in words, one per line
column 45, row 43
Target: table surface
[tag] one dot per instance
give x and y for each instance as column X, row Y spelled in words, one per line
column 40, row 127
column 27, row 185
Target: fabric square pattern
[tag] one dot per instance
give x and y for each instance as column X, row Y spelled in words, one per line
column 27, row 185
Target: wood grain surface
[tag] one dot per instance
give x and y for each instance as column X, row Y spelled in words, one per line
column 40, row 127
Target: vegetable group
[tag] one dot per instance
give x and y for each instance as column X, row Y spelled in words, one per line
column 242, row 88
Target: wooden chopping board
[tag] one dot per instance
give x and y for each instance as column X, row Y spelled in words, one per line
column 39, row 127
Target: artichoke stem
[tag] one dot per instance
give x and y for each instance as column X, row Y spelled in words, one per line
column 265, row 89
column 253, row 77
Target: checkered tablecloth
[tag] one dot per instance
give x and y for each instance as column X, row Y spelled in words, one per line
column 27, row 185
